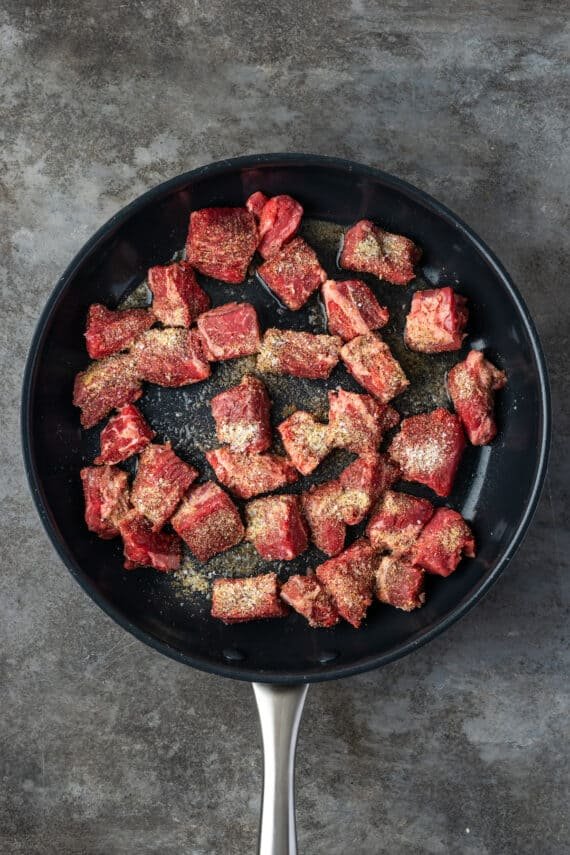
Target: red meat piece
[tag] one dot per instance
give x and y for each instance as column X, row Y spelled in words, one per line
column 322, row 507
column 106, row 493
column 125, row 434
column 276, row 527
column 300, row 354
column 443, row 542
column 349, row 579
column 397, row 521
column 144, row 547
column 208, row 521
column 230, row 331
column 369, row 249
column 371, row 363
column 109, row 332
column 221, row 242
column 255, row 203
column 362, row 482
column 436, row 321
column 106, row 385
column 472, row 384
column 358, row 422
column 248, row 475
column 242, row 416
column 162, row 479
column 400, row 584
column 308, row 597
column 177, row 297
column 254, row 598
column 279, row 221
column 293, row 274
column 428, row 448
column 171, row 357
column 305, row 440
column 352, row 309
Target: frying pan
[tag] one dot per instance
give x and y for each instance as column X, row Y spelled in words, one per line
column 497, row 488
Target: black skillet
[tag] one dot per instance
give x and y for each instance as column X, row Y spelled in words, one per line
column 497, row 487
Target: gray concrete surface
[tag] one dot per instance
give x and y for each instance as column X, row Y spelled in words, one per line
column 105, row 747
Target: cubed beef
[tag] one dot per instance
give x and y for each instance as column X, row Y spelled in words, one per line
column 371, row 363
column 242, row 416
column 358, row 422
column 105, row 385
column 305, row 440
column 177, row 297
column 369, row 249
column 308, row 597
column 362, row 482
column 248, row 475
column 171, row 357
column 255, row 203
column 144, row 547
column 279, row 221
column 399, row 583
column 230, row 331
column 436, row 321
column 106, row 494
column 162, row 479
column 221, row 242
column 208, row 521
column 349, row 579
column 253, row 598
column 352, row 309
column 110, row 331
column 300, row 354
column 472, row 384
column 276, row 527
column 428, row 448
column 397, row 521
column 293, row 274
column 322, row 507
column 125, row 434
column 443, row 542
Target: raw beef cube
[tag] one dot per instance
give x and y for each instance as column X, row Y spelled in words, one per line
column 106, row 493
column 352, row 309
column 362, row 482
column 349, row 579
column 278, row 223
column 105, row 385
column 125, row 434
column 293, row 274
column 109, row 332
column 322, row 509
column 428, row 448
column 399, row 583
column 305, row 440
column 242, row 416
column 255, row 203
column 221, row 242
column 162, row 479
column 230, row 331
column 472, row 385
column 443, row 542
column 369, row 249
column 358, row 422
column 436, row 321
column 308, row 597
column 248, row 475
column 397, row 521
column 276, row 527
column 177, row 297
column 300, row 354
column 144, row 547
column 254, row 598
column 208, row 521
column 371, row 363
column 171, row 357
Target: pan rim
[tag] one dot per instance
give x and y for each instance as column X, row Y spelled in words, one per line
column 236, row 670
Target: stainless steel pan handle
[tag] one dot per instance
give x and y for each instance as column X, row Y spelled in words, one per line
column 280, row 709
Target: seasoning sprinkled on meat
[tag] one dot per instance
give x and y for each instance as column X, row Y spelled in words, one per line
column 370, row 361
column 472, row 384
column 358, row 422
column 242, row 416
column 349, row 580
column 248, row 475
column 178, row 299
column 362, row 482
column 308, row 597
column 322, row 506
column 276, row 527
column 443, row 542
column 255, row 598
column 171, row 357
column 144, row 547
column 221, row 242
column 230, row 331
column 397, row 521
column 105, row 385
column 110, row 331
column 208, row 521
column 162, row 479
column 306, row 440
column 399, row 583
column 293, row 273
column 369, row 249
column 300, row 354
column 436, row 321
column 352, row 309
column 106, row 494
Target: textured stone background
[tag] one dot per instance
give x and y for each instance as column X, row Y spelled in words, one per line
column 107, row 748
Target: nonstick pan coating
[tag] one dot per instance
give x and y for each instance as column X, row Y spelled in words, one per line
column 497, row 487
